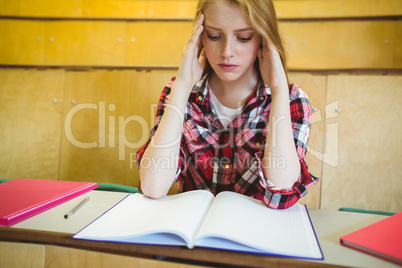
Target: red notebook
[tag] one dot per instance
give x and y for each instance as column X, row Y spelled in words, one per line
column 381, row 239
column 24, row 198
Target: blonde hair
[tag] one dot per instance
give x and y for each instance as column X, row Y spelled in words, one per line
column 262, row 17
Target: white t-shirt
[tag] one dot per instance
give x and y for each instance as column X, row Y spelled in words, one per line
column 225, row 114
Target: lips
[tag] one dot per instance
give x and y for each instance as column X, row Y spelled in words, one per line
column 228, row 67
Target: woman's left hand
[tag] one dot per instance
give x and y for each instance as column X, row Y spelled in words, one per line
column 271, row 67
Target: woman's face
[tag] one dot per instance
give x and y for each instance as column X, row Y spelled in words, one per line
column 230, row 43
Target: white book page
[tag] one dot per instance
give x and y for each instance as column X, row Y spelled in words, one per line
column 249, row 222
column 138, row 219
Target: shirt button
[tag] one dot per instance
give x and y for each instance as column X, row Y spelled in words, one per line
column 261, row 98
column 199, row 97
column 226, row 165
column 258, row 144
column 196, row 139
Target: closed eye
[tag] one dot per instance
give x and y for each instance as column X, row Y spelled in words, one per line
column 244, row 40
column 213, row 37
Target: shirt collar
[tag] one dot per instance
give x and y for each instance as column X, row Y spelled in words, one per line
column 262, row 92
column 201, row 90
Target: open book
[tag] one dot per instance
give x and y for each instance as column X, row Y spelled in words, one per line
column 229, row 221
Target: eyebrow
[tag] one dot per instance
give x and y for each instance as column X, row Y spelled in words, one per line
column 239, row 30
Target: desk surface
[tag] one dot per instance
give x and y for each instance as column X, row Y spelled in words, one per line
column 50, row 227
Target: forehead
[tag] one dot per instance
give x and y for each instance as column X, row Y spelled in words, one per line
column 225, row 15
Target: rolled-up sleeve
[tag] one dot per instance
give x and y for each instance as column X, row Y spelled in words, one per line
column 301, row 123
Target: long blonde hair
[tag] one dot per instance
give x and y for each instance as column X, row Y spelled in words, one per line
column 262, row 17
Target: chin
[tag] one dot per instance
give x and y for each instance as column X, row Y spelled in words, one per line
column 228, row 76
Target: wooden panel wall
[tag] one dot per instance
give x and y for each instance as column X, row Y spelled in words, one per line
column 114, row 114
column 296, row 9
column 367, row 172
column 107, row 43
column 22, row 255
column 15, row 255
column 69, row 257
column 315, row 87
column 286, row 9
column 99, row 8
column 102, row 118
column 30, row 129
column 319, row 35
column 87, row 126
column 311, row 45
column 341, row 44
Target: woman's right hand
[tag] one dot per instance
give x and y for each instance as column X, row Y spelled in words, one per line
column 192, row 67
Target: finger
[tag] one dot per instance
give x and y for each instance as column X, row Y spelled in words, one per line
column 196, row 29
column 198, row 23
column 195, row 38
column 200, row 19
column 191, row 48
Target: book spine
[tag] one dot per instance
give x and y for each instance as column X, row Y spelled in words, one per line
column 373, row 253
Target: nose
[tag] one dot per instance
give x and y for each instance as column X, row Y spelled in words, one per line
column 227, row 50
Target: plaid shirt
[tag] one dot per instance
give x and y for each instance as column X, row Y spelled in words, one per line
column 220, row 159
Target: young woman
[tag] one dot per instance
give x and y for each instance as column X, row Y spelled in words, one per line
column 229, row 121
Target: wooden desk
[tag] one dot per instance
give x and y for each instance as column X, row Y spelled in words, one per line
column 52, row 232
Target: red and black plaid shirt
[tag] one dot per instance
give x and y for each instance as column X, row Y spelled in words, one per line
column 220, row 159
